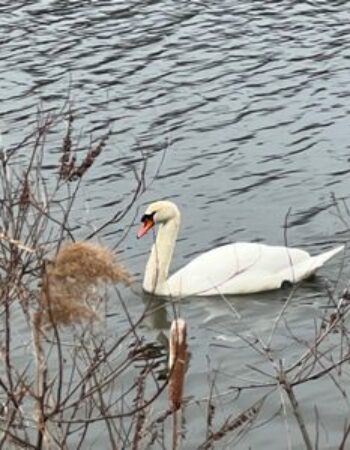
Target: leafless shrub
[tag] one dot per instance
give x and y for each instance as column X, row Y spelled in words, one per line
column 325, row 355
column 233, row 424
column 42, row 407
column 81, row 381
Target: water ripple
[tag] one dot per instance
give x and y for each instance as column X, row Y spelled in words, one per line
column 231, row 92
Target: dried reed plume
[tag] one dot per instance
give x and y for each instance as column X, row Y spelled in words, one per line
column 88, row 263
column 69, row 170
column 69, row 282
column 177, row 362
column 68, row 158
column 89, row 159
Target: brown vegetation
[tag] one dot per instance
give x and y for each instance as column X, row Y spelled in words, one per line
column 177, row 362
column 81, row 383
column 70, row 281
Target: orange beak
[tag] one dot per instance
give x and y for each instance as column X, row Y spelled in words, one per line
column 147, row 224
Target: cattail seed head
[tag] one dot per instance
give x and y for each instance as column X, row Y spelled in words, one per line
column 177, row 362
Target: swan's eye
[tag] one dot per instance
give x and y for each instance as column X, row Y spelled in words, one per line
column 148, row 217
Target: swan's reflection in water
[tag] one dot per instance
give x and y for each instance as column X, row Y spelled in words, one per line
column 156, row 312
column 159, row 314
column 228, row 312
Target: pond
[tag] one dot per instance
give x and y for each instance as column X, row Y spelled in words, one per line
column 241, row 110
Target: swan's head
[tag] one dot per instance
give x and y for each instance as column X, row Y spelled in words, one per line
column 160, row 212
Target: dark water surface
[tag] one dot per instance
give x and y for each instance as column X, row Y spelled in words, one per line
column 248, row 104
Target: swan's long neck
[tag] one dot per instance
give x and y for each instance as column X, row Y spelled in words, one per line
column 158, row 264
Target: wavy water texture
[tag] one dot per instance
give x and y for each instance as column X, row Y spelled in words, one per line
column 249, row 101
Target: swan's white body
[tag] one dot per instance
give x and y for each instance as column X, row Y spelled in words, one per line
column 239, row 268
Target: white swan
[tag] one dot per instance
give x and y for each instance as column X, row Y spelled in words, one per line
column 239, row 268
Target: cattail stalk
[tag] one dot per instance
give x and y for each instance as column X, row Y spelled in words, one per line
column 177, row 369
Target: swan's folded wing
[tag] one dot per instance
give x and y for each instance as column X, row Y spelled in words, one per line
column 239, row 268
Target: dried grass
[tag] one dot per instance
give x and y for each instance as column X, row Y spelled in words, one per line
column 70, row 282
column 88, row 263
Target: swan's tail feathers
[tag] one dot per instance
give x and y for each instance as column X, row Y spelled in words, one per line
column 321, row 259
